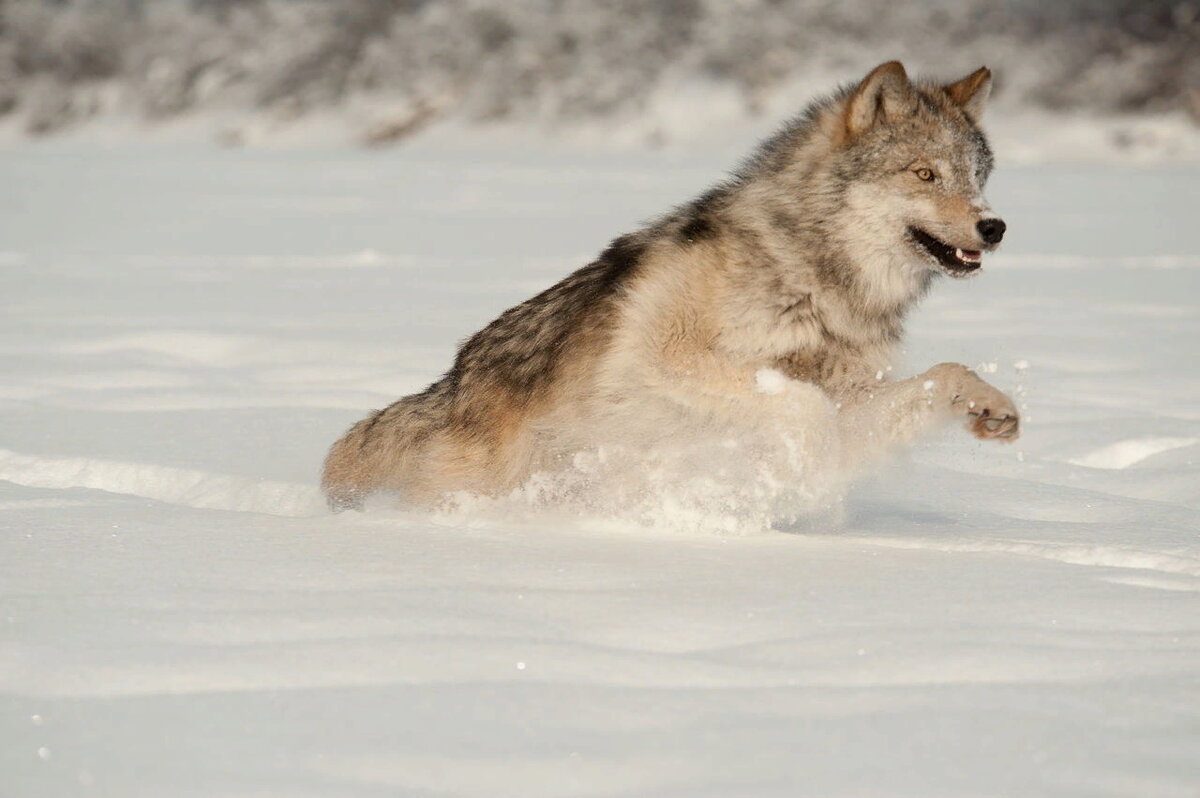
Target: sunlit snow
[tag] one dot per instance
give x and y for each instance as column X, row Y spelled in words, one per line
column 185, row 331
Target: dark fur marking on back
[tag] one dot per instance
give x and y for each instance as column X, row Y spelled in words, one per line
column 520, row 351
column 697, row 218
column 698, row 228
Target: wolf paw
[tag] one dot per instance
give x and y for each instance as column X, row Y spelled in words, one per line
column 1005, row 427
column 990, row 414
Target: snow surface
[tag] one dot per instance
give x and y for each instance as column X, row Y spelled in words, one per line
column 185, row 330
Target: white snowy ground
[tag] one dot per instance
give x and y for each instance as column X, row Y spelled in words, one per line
column 185, row 330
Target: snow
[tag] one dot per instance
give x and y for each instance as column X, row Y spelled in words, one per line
column 1123, row 454
column 185, row 330
column 770, row 381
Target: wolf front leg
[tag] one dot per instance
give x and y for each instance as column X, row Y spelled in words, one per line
column 873, row 418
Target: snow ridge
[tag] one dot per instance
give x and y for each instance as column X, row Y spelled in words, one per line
column 182, row 486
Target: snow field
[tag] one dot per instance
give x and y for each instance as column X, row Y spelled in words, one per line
column 186, row 330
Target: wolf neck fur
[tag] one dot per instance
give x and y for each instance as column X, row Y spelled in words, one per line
column 855, row 288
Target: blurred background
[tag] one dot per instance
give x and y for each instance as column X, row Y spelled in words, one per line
column 630, row 72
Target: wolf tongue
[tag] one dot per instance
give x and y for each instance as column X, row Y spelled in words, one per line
column 968, row 254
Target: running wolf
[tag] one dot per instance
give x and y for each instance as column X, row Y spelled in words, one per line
column 801, row 267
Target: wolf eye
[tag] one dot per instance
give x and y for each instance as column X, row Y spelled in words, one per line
column 925, row 174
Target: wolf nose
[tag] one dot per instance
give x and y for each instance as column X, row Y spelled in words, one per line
column 991, row 230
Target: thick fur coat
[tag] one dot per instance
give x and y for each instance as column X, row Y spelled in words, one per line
column 804, row 264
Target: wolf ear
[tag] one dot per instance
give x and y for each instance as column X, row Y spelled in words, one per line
column 971, row 93
column 885, row 93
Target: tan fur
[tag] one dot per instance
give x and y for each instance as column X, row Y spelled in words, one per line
column 805, row 262
column 971, row 93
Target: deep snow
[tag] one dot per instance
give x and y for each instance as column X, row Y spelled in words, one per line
column 185, row 330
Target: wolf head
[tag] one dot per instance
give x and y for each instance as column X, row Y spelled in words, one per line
column 913, row 163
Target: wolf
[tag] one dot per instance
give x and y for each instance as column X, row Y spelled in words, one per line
column 794, row 275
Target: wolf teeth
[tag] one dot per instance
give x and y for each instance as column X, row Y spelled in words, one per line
column 958, row 253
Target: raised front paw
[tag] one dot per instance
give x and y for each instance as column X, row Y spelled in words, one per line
column 1002, row 423
column 990, row 414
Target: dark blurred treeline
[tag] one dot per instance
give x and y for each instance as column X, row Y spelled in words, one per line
column 62, row 61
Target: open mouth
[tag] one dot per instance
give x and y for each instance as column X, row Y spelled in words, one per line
column 958, row 262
